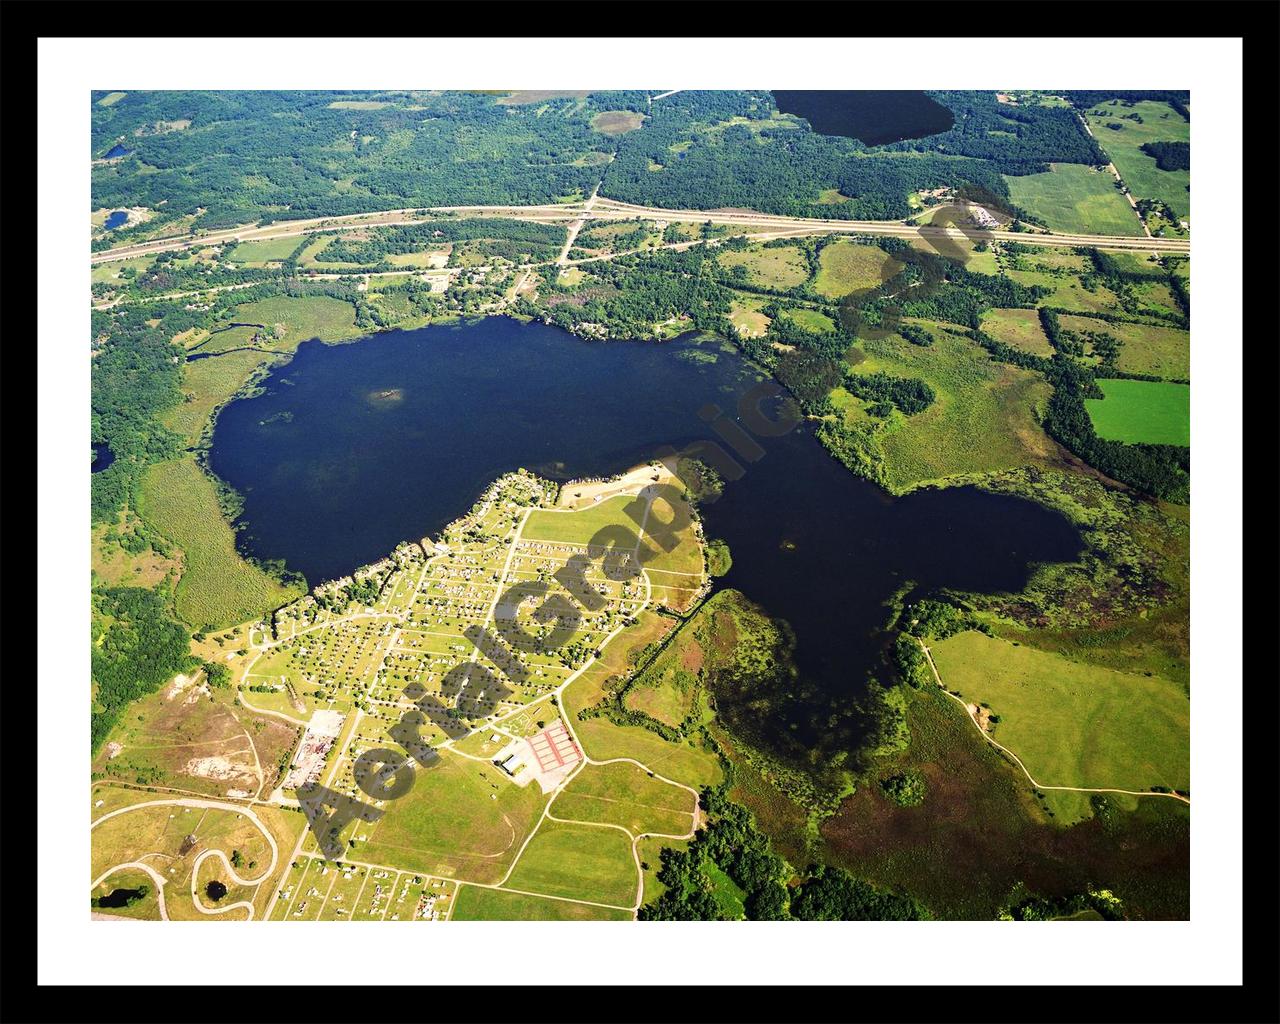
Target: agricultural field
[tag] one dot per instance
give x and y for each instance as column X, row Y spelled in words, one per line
column 845, row 267
column 1123, row 143
column 982, row 418
column 1019, row 328
column 781, row 267
column 1075, row 199
column 1073, row 724
column 267, row 250
column 1145, row 348
column 217, row 587
column 1142, row 412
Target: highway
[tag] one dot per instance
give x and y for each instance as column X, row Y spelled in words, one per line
column 600, row 208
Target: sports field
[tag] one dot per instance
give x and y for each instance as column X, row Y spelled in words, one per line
column 1075, row 198
column 1142, row 412
column 1073, row 724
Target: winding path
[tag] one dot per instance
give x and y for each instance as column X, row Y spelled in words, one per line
column 1018, row 761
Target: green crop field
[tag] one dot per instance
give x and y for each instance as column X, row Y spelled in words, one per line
column 625, row 794
column 981, row 420
column 218, row 587
column 1145, row 348
column 448, row 824
column 581, row 862
column 1160, row 123
column 475, row 904
column 264, row 250
column 782, row 267
column 845, row 267
column 1019, row 328
column 1075, row 198
column 1142, row 412
column 1074, row 724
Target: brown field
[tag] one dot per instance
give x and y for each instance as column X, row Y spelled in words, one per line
column 616, row 122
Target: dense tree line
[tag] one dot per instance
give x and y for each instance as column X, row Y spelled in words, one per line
column 1169, row 156
column 513, row 240
column 141, row 648
column 832, row 894
column 907, row 394
column 1088, row 98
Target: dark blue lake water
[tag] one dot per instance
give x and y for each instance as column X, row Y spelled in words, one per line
column 102, row 457
column 114, row 220
column 874, row 116
column 117, row 151
column 352, row 448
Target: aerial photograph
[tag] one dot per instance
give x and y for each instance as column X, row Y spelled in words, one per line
column 654, row 505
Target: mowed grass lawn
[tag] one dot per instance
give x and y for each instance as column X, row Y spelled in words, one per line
column 981, row 419
column 581, row 862
column 1019, row 328
column 579, row 526
column 1145, row 348
column 845, row 267
column 780, row 267
column 448, row 824
column 1160, row 123
column 1074, row 724
column 476, row 904
column 625, row 794
column 1142, row 412
column 1075, row 198
column 217, row 587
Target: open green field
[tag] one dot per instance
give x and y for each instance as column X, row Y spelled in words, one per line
column 303, row 317
column 981, row 420
column 780, row 267
column 1073, row 724
column 218, row 587
column 581, row 862
column 810, row 319
column 111, row 271
column 579, row 526
column 666, row 700
column 625, row 794
column 1019, row 328
column 449, row 824
column 475, row 904
column 264, row 250
column 1076, row 199
column 747, row 318
column 845, row 266
column 1160, row 123
column 1145, row 348
column 1142, row 412
column 111, row 99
